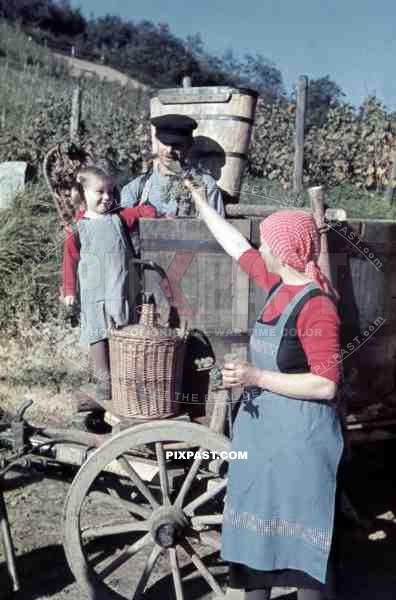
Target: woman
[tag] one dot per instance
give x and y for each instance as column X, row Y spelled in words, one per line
column 280, row 505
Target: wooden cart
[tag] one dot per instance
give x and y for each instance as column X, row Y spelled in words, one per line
column 132, row 499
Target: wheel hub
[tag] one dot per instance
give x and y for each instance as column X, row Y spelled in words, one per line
column 167, row 525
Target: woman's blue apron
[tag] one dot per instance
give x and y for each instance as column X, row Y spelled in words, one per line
column 103, row 275
column 280, row 503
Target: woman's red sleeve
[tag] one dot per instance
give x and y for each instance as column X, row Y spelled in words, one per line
column 253, row 264
column 318, row 328
column 131, row 215
column 71, row 256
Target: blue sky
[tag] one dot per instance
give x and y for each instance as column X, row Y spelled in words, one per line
column 354, row 41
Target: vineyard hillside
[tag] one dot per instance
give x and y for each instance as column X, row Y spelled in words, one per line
column 351, row 154
column 79, row 67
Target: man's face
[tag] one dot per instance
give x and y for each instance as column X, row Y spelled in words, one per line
column 171, row 147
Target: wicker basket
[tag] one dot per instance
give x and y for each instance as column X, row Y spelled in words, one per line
column 147, row 368
column 61, row 164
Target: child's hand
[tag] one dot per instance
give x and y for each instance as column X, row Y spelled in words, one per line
column 69, row 300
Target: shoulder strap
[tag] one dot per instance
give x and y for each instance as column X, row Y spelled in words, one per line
column 271, row 293
column 127, row 236
column 311, row 294
column 143, row 187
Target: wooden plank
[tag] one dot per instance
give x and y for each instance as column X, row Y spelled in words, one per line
column 317, row 203
column 215, row 302
column 201, row 282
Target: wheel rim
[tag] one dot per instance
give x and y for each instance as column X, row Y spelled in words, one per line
column 162, row 524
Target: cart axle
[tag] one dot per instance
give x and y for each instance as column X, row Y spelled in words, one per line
column 167, row 525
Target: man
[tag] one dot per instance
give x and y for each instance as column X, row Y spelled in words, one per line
column 162, row 188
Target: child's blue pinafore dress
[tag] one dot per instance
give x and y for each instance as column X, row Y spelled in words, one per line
column 280, row 503
column 103, row 277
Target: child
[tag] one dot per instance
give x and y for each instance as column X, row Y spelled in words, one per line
column 98, row 249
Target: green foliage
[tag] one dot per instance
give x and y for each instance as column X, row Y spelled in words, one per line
column 20, row 52
column 272, row 146
column 354, row 147
column 29, row 259
column 358, row 203
column 350, row 154
column 56, row 17
column 147, row 52
column 255, row 72
column 323, row 94
column 36, row 108
column 351, row 146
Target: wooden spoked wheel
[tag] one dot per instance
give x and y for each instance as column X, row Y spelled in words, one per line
column 126, row 524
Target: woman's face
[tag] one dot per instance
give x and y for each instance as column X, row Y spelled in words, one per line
column 272, row 262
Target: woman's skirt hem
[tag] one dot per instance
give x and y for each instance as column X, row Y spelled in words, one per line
column 244, row 577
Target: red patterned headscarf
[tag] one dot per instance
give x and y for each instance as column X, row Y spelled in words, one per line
column 292, row 236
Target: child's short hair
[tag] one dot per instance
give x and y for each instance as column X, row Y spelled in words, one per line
column 83, row 175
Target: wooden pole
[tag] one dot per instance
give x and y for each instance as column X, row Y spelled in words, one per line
column 317, row 204
column 75, row 114
column 392, row 182
column 8, row 548
column 302, row 85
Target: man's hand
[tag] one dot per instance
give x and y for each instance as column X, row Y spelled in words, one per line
column 69, row 300
column 240, row 374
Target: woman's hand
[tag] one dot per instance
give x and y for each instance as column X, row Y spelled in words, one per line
column 198, row 194
column 240, row 374
column 69, row 300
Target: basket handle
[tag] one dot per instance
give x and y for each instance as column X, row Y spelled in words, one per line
column 153, row 266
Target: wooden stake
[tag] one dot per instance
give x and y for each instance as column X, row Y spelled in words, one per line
column 316, row 195
column 299, row 137
column 75, row 114
column 392, row 183
column 8, row 547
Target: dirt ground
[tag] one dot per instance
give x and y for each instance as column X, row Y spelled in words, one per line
column 368, row 567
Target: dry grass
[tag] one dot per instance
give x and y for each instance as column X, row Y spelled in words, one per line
column 44, row 365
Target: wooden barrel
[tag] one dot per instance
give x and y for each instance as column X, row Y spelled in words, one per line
column 363, row 262
column 225, row 118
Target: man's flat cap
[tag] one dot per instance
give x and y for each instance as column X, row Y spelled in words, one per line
column 174, row 124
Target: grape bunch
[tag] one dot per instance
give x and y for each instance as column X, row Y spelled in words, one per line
column 176, row 190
